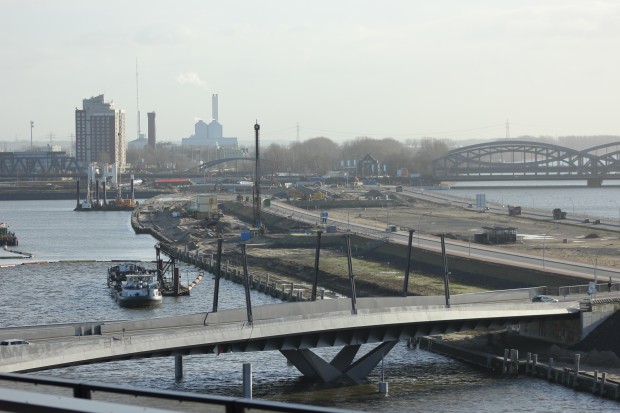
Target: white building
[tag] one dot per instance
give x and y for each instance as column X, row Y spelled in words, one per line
column 211, row 134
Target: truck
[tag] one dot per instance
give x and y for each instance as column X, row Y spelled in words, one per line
column 399, row 188
column 558, row 214
column 514, row 210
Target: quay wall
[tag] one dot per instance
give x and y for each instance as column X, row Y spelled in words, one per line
column 596, row 382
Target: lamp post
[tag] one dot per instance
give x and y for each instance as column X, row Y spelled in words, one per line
column 420, row 219
column 598, row 251
column 543, row 249
column 31, row 127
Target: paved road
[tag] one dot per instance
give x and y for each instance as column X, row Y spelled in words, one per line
column 460, row 248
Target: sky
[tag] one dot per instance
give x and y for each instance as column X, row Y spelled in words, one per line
column 342, row 69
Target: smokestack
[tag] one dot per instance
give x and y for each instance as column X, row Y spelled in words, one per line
column 214, row 107
column 151, row 131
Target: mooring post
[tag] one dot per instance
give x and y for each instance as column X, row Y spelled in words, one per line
column 446, row 279
column 549, row 368
column 218, row 272
column 316, row 265
column 577, row 359
column 247, row 380
column 406, row 285
column 505, row 363
column 528, row 360
column 177, row 282
column 595, row 381
column 178, row 366
column 351, row 277
column 603, row 383
column 246, row 284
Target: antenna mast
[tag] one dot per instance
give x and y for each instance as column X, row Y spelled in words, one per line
column 137, row 98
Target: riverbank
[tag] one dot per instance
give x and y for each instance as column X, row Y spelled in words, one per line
column 287, row 260
column 507, row 353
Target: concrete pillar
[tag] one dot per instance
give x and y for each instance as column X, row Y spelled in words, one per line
column 178, row 367
column 505, row 362
column 603, row 383
column 247, row 380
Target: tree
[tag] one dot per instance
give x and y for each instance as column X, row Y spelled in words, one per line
column 429, row 150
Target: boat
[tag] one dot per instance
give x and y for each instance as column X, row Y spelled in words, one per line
column 118, row 273
column 7, row 238
column 139, row 290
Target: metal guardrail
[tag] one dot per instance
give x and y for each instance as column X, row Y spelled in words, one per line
column 85, row 391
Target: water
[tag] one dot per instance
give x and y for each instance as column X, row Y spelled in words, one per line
column 595, row 203
column 68, row 290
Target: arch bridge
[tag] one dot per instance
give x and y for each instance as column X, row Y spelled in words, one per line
column 511, row 160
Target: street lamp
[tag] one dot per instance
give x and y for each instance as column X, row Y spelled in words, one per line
column 420, row 219
column 543, row 249
column 598, row 250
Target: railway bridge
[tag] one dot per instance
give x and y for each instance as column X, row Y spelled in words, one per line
column 511, row 160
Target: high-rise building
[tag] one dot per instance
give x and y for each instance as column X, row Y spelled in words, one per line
column 151, row 132
column 100, row 133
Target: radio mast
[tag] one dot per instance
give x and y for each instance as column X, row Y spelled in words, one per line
column 137, row 99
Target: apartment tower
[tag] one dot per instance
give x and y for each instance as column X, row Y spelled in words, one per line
column 100, row 133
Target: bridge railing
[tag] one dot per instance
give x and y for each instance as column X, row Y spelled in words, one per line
column 126, row 395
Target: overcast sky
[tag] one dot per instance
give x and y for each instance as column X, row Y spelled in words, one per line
column 338, row 68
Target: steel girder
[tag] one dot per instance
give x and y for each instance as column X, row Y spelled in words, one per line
column 506, row 160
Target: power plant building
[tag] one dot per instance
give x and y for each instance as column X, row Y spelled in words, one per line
column 100, row 133
column 211, row 134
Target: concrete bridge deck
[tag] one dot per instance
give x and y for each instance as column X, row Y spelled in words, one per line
column 288, row 327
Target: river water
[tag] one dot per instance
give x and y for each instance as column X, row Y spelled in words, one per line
column 72, row 287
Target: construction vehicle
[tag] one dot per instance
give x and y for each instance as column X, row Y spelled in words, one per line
column 558, row 214
column 514, row 210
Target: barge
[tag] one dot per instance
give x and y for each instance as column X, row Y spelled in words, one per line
column 7, row 238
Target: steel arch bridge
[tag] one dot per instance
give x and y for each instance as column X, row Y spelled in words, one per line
column 38, row 164
column 511, row 160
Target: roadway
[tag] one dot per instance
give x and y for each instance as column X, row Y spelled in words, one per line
column 454, row 247
column 297, row 326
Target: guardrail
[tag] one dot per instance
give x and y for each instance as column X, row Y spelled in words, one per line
column 12, row 401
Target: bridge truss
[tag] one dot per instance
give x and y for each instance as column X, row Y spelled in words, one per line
column 524, row 160
column 38, row 164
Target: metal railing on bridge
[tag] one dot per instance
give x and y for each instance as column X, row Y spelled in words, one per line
column 62, row 395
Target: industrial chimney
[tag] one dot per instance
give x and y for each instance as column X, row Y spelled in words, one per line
column 151, row 131
column 214, row 107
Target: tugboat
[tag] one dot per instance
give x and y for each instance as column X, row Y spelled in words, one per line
column 7, row 238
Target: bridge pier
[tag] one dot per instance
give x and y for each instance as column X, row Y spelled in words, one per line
column 341, row 368
column 595, row 182
column 178, row 366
